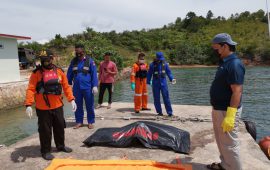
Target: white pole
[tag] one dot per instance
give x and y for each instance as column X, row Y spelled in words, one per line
column 268, row 17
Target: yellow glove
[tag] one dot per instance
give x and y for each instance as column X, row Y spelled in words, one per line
column 228, row 122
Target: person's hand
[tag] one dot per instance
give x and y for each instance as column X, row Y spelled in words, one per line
column 228, row 122
column 173, row 81
column 132, row 85
column 74, row 106
column 109, row 71
column 29, row 111
column 94, row 90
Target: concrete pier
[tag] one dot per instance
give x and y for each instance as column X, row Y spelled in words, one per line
column 25, row 154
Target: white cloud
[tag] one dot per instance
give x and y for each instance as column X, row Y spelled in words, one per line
column 97, row 23
column 43, row 41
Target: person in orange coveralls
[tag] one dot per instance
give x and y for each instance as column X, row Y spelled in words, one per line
column 45, row 89
column 138, row 83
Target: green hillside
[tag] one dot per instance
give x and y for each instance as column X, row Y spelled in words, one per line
column 184, row 41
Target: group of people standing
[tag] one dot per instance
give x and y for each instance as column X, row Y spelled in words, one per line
column 45, row 88
column 47, row 82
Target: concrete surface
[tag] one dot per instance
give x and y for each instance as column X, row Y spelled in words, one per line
column 25, row 154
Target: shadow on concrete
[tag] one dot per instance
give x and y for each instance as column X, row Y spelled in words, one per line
column 143, row 113
column 201, row 139
column 21, row 154
column 70, row 124
column 188, row 160
column 131, row 110
column 123, row 110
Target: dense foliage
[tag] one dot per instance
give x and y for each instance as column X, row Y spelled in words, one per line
column 185, row 41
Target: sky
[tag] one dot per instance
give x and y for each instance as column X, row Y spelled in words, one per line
column 42, row 19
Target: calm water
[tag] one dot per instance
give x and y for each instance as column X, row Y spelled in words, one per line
column 192, row 88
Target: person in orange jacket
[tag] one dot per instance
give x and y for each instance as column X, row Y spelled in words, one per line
column 45, row 89
column 138, row 83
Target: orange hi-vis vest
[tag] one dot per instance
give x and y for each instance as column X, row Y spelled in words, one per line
column 50, row 78
column 139, row 71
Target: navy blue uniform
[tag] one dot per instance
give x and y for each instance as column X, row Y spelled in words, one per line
column 230, row 71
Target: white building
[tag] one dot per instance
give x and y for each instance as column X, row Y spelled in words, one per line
column 9, row 62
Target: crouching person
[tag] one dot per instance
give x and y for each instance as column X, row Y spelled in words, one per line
column 45, row 89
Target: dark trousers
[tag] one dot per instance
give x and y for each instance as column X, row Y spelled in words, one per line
column 49, row 120
column 102, row 88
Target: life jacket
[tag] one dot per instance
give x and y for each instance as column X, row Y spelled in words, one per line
column 156, row 71
column 86, row 66
column 142, row 73
column 49, row 83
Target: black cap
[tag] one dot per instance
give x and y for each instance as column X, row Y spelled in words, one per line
column 141, row 55
column 107, row 54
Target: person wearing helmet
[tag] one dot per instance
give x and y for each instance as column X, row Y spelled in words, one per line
column 138, row 83
column 45, row 89
column 82, row 74
column 157, row 72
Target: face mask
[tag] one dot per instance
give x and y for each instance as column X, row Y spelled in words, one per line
column 47, row 64
column 141, row 61
column 79, row 54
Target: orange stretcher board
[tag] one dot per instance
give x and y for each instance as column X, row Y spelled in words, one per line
column 71, row 164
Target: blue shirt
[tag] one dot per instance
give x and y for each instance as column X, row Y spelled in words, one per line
column 82, row 80
column 230, row 71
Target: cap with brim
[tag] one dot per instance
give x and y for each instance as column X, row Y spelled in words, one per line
column 223, row 38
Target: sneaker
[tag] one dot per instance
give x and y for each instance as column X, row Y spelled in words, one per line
column 109, row 106
column 159, row 114
column 137, row 111
column 47, row 156
column 98, row 106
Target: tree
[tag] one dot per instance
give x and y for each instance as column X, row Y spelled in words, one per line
column 35, row 46
column 209, row 15
column 178, row 24
column 58, row 42
column 186, row 40
column 259, row 15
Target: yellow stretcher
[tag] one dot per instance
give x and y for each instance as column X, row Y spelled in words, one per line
column 71, row 164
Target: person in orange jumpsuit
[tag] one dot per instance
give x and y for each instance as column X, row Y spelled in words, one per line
column 138, row 83
column 45, row 89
